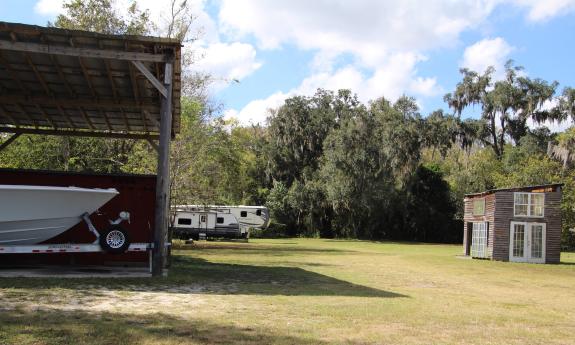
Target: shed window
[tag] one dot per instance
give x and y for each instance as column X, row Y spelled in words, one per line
column 259, row 212
column 243, row 214
column 203, row 218
column 479, row 207
column 529, row 204
column 184, row 221
column 220, row 220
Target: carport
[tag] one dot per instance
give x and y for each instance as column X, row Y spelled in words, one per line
column 78, row 83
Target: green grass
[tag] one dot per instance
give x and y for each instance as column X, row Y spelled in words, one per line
column 302, row 291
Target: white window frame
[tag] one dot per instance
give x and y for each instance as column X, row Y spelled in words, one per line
column 529, row 204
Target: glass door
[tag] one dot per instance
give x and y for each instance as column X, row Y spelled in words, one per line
column 479, row 240
column 527, row 242
column 537, row 242
column 517, row 242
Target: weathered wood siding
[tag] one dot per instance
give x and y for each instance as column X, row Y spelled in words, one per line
column 489, row 217
column 504, row 216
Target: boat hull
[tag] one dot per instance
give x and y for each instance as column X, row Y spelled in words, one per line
column 33, row 214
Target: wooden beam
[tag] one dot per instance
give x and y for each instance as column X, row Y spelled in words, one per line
column 46, row 116
column 154, row 145
column 67, row 116
column 163, row 179
column 25, row 113
column 78, row 133
column 62, row 76
column 80, row 52
column 78, row 102
column 12, row 74
column 37, row 74
column 152, row 119
column 5, row 114
column 9, row 141
column 146, row 72
column 86, row 117
column 105, row 116
column 136, row 91
column 111, row 79
column 87, row 78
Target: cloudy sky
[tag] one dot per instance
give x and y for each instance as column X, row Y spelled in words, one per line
column 279, row 48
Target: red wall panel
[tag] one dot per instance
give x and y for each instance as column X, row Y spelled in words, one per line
column 137, row 196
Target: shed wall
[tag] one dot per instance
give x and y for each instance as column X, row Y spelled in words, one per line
column 489, row 217
column 504, row 216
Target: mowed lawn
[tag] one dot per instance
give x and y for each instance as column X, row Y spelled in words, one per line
column 302, row 291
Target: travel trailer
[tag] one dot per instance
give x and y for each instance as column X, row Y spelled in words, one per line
column 193, row 221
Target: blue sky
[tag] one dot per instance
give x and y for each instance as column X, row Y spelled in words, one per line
column 280, row 48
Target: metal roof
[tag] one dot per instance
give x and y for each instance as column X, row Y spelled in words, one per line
column 82, row 83
column 515, row 189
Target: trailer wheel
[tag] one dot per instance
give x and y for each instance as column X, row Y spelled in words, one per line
column 115, row 240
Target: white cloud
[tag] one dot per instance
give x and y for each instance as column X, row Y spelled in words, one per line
column 395, row 77
column 367, row 29
column 487, row 52
column 49, row 7
column 227, row 62
column 542, row 10
column 257, row 111
column 554, row 126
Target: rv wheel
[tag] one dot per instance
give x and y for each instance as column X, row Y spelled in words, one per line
column 115, row 240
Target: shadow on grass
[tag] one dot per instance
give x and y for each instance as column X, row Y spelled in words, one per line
column 269, row 280
column 199, row 276
column 71, row 327
column 268, row 250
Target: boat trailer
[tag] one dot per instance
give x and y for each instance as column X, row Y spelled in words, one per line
column 114, row 240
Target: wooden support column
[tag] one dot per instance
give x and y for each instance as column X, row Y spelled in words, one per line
column 9, row 141
column 163, row 178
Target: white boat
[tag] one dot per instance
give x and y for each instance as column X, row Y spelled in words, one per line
column 33, row 214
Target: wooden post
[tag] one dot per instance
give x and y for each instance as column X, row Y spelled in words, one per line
column 9, row 141
column 163, row 178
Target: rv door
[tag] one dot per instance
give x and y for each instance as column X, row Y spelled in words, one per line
column 207, row 221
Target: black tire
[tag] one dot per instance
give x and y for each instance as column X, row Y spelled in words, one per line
column 115, row 240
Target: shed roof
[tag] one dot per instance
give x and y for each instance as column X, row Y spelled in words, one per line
column 516, row 189
column 83, row 83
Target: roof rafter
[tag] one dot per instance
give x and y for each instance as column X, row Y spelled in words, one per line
column 80, row 51
column 79, row 133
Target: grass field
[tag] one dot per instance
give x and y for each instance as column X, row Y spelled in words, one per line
column 302, row 291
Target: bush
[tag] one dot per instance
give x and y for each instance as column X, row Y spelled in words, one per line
column 274, row 230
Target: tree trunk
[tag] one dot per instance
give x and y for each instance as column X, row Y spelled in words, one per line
column 494, row 136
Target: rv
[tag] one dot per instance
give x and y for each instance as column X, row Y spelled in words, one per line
column 193, row 221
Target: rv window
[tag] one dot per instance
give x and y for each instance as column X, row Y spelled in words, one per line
column 244, row 214
column 184, row 221
column 203, row 219
column 259, row 212
column 220, row 220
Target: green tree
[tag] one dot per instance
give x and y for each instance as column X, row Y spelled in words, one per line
column 101, row 16
column 431, row 209
column 506, row 105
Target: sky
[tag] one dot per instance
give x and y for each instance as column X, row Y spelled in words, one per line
column 261, row 52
